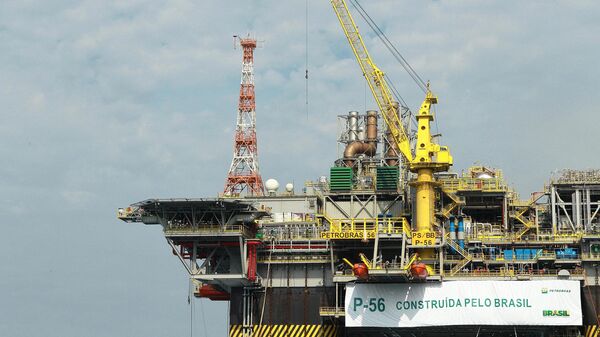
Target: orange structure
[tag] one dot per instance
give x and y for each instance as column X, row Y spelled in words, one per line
column 244, row 175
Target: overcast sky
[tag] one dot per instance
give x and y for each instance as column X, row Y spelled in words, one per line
column 103, row 104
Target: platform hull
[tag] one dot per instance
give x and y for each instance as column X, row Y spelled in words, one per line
column 294, row 312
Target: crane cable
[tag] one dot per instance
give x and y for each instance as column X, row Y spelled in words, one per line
column 395, row 92
column 390, row 46
column 406, row 120
column 306, row 58
column 262, row 310
column 191, row 304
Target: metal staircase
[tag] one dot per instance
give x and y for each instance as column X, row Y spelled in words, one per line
column 467, row 258
column 456, row 201
column 518, row 214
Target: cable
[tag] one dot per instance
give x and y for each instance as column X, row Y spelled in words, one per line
column 397, row 53
column 403, row 104
column 396, row 93
column 306, row 60
column 262, row 310
column 191, row 304
column 390, row 46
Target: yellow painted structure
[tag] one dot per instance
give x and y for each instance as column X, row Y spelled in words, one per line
column 362, row 229
column 285, row 330
column 423, row 238
column 428, row 157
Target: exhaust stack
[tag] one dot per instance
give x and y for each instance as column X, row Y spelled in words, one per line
column 368, row 147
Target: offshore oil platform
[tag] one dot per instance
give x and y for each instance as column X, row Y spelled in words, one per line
column 390, row 243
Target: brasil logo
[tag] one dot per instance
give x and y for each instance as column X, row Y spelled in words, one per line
column 556, row 313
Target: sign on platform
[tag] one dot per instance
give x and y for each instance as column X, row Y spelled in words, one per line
column 349, row 235
column 423, row 238
column 553, row 302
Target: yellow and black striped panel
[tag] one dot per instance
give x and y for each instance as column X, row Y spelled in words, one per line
column 285, row 330
column 592, row 331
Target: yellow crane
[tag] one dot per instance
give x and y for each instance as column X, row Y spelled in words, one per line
column 428, row 157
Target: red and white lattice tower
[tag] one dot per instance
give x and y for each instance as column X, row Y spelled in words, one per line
column 243, row 173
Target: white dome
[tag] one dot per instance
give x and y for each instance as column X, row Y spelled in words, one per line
column 272, row 185
column 484, row 176
column 289, row 187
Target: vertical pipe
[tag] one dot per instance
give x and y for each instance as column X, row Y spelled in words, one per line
column 361, row 134
column 353, row 126
column 376, row 244
column 244, row 310
column 337, row 296
column 577, row 208
column 588, row 209
column 352, row 209
column 243, row 261
column 331, row 257
column 452, row 228
column 461, row 233
column 403, row 250
column 194, row 265
column 372, row 126
column 505, row 212
column 553, row 204
column 537, row 225
column 251, row 310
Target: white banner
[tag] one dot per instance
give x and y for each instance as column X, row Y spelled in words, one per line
column 554, row 302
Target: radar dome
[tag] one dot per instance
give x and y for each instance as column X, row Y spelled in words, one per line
column 289, row 187
column 272, row 185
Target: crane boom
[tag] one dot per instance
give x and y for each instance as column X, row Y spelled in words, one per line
column 428, row 154
column 376, row 79
column 428, row 157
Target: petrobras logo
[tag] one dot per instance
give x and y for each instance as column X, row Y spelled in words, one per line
column 546, row 290
column 556, row 313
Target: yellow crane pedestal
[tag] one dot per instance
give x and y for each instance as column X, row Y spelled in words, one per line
column 425, row 207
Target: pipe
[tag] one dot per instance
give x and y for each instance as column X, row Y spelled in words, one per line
column 352, row 125
column 372, row 126
column 461, row 232
column 452, row 229
column 369, row 147
column 361, row 134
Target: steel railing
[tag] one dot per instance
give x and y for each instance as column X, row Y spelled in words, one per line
column 551, row 273
column 394, row 225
